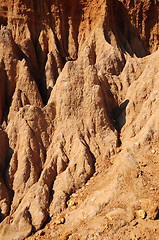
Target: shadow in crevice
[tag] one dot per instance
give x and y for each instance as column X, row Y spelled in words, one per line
column 6, row 190
column 69, row 20
column 127, row 33
column 70, row 16
column 118, row 118
column 129, row 36
column 157, row 216
column 121, row 119
column 118, row 115
column 93, row 159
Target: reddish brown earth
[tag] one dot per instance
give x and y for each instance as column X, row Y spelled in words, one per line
column 79, row 137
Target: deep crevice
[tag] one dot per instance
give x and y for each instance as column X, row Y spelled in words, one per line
column 92, row 155
column 127, row 35
column 118, row 119
column 3, row 21
column 157, row 216
column 45, row 223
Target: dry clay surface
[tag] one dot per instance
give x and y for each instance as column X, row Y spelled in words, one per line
column 79, row 96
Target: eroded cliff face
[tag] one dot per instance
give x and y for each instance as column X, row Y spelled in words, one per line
column 78, row 83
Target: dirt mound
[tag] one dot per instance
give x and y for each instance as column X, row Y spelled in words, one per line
column 79, row 119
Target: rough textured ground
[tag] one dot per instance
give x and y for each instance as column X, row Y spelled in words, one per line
column 79, row 96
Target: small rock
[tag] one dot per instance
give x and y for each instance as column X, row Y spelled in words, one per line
column 118, row 149
column 64, row 236
column 144, row 165
column 153, row 151
column 122, row 223
column 141, row 213
column 60, row 220
column 96, row 173
column 42, row 233
column 135, row 223
column 151, row 206
column 71, row 203
column 133, row 236
column 75, row 236
column 112, row 151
